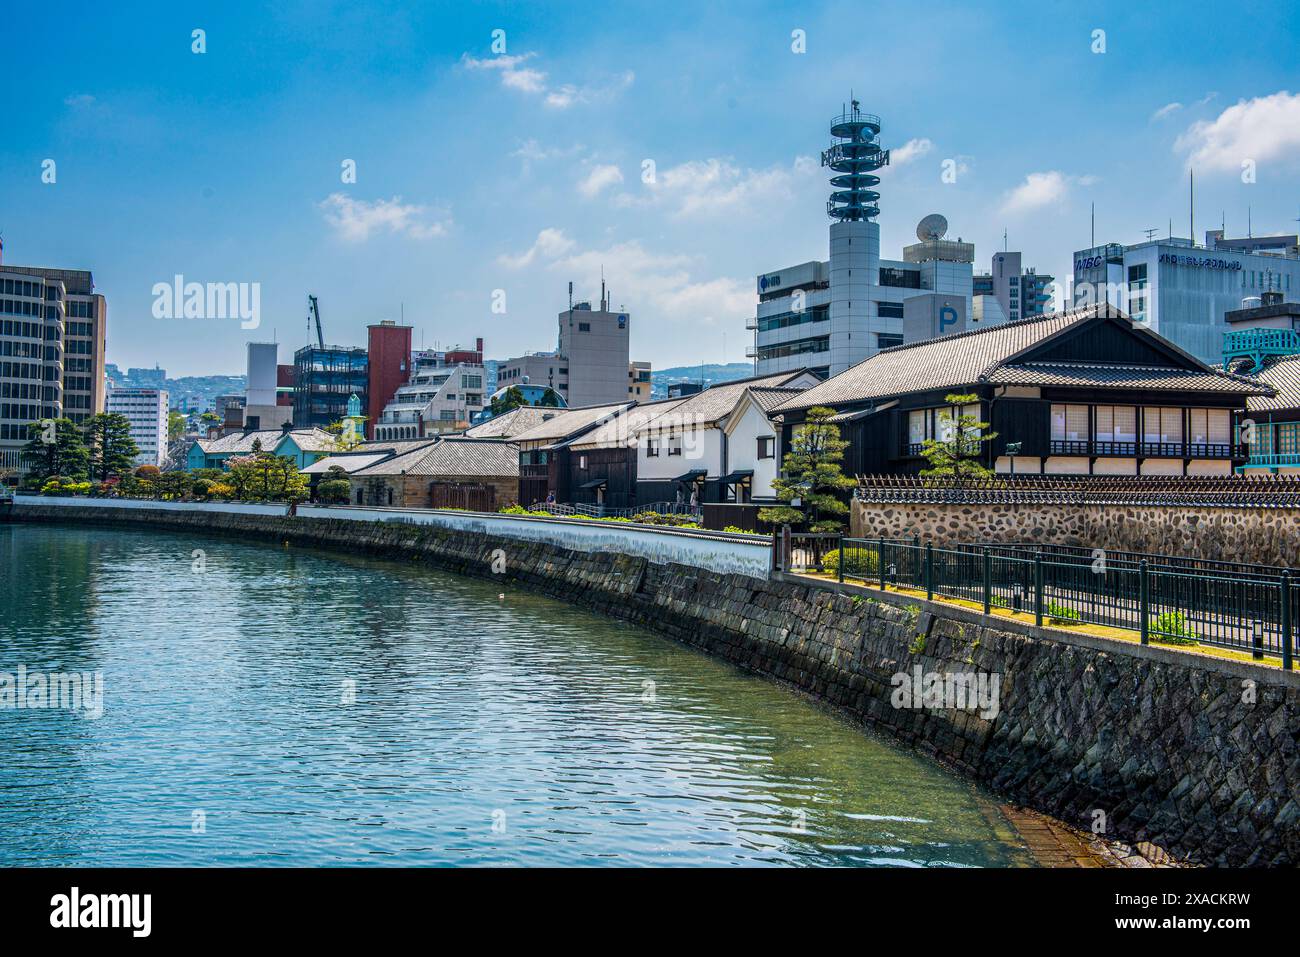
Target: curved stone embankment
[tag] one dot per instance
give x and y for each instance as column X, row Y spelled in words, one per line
column 1197, row 755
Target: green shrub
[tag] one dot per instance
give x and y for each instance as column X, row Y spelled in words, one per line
column 334, row 491
column 1171, row 628
column 1061, row 614
column 862, row 562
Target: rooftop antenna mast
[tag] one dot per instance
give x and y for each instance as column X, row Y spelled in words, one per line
column 1094, row 226
column 1004, row 239
column 1191, row 205
column 1150, row 233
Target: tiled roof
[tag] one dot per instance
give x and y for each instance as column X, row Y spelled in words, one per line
column 616, row 431
column 1122, row 377
column 347, row 461
column 1283, row 374
column 238, row 443
column 704, row 408
column 768, row 399
column 313, row 440
column 510, row 424
column 967, row 358
column 567, row 422
column 454, row 455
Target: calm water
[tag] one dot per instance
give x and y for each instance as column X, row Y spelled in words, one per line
column 485, row 730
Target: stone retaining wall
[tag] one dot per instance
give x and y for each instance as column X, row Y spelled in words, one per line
column 1264, row 536
column 1198, row 755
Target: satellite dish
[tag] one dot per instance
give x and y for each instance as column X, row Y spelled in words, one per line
column 932, row 227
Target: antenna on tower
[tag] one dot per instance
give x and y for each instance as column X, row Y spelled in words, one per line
column 1094, row 226
column 1191, row 205
column 855, row 156
column 1150, row 233
column 1004, row 239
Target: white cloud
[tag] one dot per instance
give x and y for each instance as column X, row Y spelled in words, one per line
column 703, row 187
column 1041, row 190
column 78, row 100
column 526, row 79
column 912, row 149
column 355, row 220
column 600, row 177
column 1261, row 129
column 1165, row 110
column 549, row 244
column 660, row 287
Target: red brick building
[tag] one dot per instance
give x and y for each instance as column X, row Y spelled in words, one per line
column 389, row 347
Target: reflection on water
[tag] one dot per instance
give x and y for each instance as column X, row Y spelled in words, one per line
column 304, row 708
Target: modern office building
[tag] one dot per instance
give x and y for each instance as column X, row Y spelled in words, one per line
column 146, row 410
column 597, row 345
column 828, row 316
column 591, row 363
column 1008, row 292
column 324, row 380
column 52, row 335
column 1182, row 290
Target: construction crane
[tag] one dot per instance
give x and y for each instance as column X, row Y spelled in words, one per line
column 315, row 313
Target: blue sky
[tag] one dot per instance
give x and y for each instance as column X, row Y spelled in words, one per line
column 478, row 171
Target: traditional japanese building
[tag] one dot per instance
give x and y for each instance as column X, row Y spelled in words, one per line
column 1088, row 391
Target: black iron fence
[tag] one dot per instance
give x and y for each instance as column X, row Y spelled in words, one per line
column 1164, row 598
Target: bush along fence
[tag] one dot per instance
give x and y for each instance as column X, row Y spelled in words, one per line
column 1165, row 599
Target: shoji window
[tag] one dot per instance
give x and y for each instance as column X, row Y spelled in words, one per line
column 918, row 422
column 1116, row 423
column 1209, row 427
column 1162, row 425
column 1069, row 423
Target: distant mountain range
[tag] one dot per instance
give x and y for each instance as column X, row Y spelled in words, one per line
column 708, row 373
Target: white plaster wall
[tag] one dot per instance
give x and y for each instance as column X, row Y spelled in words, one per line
column 742, row 450
column 728, row 556
column 241, row 508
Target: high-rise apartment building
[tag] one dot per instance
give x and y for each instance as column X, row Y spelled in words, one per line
column 52, row 335
column 146, row 410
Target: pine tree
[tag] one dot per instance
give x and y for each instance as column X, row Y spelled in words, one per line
column 111, row 449
column 955, row 456
column 55, row 447
column 812, row 474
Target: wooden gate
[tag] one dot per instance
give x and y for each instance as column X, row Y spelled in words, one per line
column 472, row 496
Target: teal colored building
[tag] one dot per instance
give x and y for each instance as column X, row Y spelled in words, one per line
column 304, row 446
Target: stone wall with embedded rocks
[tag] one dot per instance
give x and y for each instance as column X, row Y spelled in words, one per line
column 1263, row 536
column 1198, row 755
